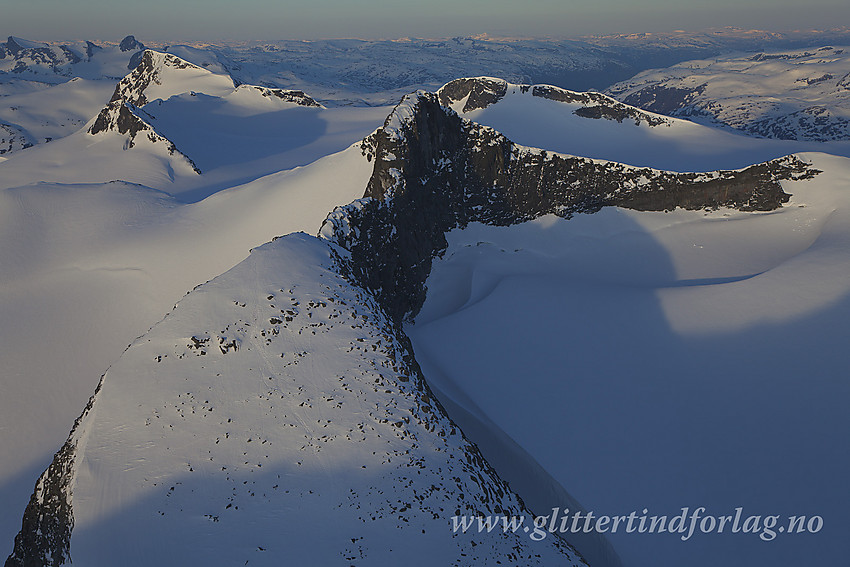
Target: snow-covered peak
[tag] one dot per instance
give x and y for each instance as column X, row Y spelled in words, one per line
column 162, row 75
column 274, row 399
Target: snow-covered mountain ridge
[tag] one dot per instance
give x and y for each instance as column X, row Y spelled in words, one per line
column 465, row 95
column 435, row 171
column 290, row 375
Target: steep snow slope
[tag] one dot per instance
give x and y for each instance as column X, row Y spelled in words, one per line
column 789, row 95
column 88, row 268
column 594, row 125
column 82, row 158
column 274, row 404
column 664, row 360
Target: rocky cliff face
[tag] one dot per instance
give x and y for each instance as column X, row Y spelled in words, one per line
column 435, row 171
column 123, row 114
column 161, row 76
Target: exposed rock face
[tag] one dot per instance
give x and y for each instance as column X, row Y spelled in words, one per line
column 130, row 43
column 37, row 58
column 596, row 105
column 667, row 100
column 135, row 59
column 12, row 47
column 13, row 139
column 132, row 87
column 818, row 122
column 296, row 97
column 91, row 49
column 435, row 171
column 125, row 114
column 482, row 92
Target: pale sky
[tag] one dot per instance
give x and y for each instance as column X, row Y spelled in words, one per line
column 163, row 20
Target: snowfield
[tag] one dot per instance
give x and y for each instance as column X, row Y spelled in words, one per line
column 87, row 268
column 662, row 360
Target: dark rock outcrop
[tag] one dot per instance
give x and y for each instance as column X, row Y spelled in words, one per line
column 816, row 123
column 12, row 138
column 803, row 99
column 435, row 171
column 130, row 43
column 482, row 92
column 596, row 105
column 135, row 59
column 672, row 101
column 45, row 536
column 12, row 47
column 70, row 56
column 91, row 49
column 296, row 97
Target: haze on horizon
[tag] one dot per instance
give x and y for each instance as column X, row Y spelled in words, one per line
column 216, row 20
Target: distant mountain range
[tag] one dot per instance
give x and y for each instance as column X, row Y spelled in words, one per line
column 359, row 70
column 788, row 95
